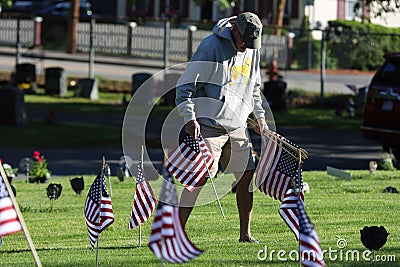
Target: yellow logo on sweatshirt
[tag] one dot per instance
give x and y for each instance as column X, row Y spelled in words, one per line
column 241, row 71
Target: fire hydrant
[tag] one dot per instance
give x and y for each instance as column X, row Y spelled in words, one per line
column 272, row 71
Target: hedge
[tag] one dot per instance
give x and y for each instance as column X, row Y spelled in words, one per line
column 360, row 46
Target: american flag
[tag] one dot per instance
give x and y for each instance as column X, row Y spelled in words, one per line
column 277, row 168
column 9, row 221
column 144, row 201
column 288, row 211
column 190, row 161
column 98, row 209
column 311, row 253
column 168, row 239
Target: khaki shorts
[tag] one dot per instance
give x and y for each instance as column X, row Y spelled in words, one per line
column 234, row 150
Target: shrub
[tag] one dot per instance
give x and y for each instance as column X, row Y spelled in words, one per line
column 360, row 46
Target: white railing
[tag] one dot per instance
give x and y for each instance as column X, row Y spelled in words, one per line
column 145, row 41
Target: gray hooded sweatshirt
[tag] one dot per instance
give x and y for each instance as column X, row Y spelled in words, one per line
column 220, row 86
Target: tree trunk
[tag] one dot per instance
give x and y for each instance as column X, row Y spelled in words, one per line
column 278, row 20
column 73, row 26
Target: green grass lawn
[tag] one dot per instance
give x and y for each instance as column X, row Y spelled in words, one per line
column 338, row 208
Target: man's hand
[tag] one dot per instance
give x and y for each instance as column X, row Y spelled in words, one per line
column 192, row 128
column 261, row 126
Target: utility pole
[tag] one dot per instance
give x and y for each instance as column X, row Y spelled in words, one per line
column 73, row 21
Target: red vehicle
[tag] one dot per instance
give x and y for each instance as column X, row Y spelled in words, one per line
column 381, row 119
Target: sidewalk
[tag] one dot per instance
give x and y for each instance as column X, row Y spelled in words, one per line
column 326, row 147
column 84, row 57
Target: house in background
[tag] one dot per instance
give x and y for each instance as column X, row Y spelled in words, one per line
column 318, row 11
column 189, row 11
column 322, row 11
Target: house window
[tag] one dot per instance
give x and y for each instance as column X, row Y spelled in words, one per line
column 138, row 8
column 288, row 9
column 350, row 14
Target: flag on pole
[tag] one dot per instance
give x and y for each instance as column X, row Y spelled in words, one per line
column 311, row 252
column 7, row 217
column 144, row 201
column 9, row 221
column 288, row 211
column 277, row 168
column 98, row 209
column 168, row 239
column 189, row 162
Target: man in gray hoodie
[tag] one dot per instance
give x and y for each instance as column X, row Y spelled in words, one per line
column 215, row 95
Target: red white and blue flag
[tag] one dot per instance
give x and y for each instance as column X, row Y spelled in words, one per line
column 9, row 221
column 311, row 252
column 144, row 201
column 98, row 209
column 168, row 239
column 190, row 161
column 277, row 168
column 288, row 211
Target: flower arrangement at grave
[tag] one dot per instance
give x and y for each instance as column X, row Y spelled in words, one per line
column 39, row 172
column 9, row 170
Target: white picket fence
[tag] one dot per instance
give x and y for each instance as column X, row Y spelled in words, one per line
column 146, row 41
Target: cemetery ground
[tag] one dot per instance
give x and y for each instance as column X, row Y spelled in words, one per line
column 338, row 208
column 69, row 121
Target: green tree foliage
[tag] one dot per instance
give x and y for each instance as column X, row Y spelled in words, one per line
column 304, row 27
column 5, row 3
column 378, row 7
column 360, row 46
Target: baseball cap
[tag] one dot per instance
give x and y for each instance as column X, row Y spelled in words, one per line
column 250, row 27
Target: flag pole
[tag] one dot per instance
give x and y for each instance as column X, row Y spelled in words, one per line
column 268, row 133
column 21, row 219
column 103, row 164
column 97, row 251
column 299, row 196
column 108, row 174
column 212, row 183
column 140, row 225
column 297, row 189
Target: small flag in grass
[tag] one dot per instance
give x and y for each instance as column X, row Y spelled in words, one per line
column 168, row 239
column 9, row 222
column 190, row 161
column 144, row 201
column 98, row 209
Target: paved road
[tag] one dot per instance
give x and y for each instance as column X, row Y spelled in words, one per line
column 334, row 82
column 326, row 147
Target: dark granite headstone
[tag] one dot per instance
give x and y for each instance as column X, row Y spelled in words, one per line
column 12, row 106
column 88, row 88
column 56, row 81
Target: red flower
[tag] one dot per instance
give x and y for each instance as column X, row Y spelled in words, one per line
column 36, row 155
column 40, row 159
